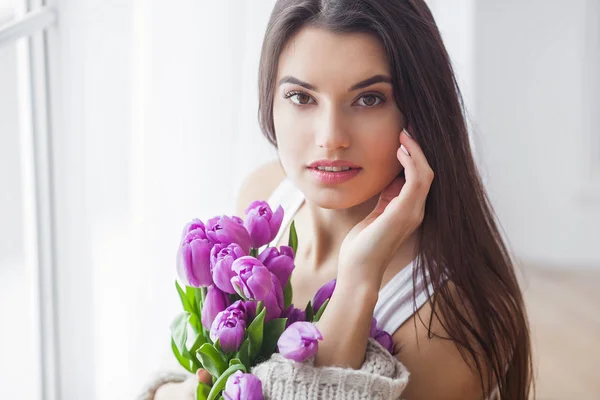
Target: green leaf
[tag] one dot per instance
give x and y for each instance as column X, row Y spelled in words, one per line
column 254, row 252
column 198, row 342
column 273, row 329
column 195, row 323
column 179, row 330
column 190, row 293
column 243, row 353
column 222, row 380
column 185, row 363
column 185, row 302
column 211, row 359
column 288, row 294
column 202, row 391
column 200, row 297
column 217, row 346
column 293, row 238
column 255, row 334
column 310, row 314
column 321, row 310
column 193, row 359
column 259, row 307
column 236, row 361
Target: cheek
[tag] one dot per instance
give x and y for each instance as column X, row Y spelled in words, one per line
column 293, row 137
column 381, row 150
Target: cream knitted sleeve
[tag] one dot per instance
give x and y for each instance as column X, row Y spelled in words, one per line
column 159, row 379
column 381, row 377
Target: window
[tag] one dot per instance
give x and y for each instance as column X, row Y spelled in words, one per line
column 27, row 314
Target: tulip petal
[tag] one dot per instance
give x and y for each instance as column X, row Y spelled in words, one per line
column 324, row 293
column 259, row 229
column 282, row 267
column 276, row 220
column 215, row 302
column 260, row 283
column 299, row 341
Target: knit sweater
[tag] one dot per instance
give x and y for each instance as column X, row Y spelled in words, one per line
column 381, row 377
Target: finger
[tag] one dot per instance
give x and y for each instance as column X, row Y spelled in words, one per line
column 203, row 376
column 408, row 131
column 411, row 172
column 388, row 194
column 413, row 148
column 421, row 166
column 417, row 182
column 416, row 152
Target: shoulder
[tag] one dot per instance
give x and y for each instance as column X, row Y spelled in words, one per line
column 259, row 184
column 437, row 367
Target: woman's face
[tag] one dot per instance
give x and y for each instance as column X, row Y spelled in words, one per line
column 333, row 120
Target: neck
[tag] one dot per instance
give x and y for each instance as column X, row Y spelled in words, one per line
column 326, row 229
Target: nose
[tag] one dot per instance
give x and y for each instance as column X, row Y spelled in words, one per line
column 331, row 130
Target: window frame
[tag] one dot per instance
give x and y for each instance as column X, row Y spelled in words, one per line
column 29, row 33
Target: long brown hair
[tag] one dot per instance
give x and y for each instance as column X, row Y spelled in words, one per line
column 483, row 312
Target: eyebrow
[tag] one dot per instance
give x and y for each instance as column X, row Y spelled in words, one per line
column 360, row 85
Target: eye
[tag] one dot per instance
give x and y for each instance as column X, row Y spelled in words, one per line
column 371, row 100
column 301, row 97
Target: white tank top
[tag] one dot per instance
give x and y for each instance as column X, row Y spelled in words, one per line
column 395, row 304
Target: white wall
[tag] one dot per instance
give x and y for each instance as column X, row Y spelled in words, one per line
column 533, row 111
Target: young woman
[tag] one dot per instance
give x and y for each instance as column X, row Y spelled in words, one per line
column 401, row 220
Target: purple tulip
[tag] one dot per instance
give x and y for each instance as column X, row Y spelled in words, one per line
column 274, row 301
column 293, row 314
column 262, row 223
column 252, row 279
column 193, row 259
column 227, row 230
column 192, row 226
column 215, row 302
column 299, row 341
column 280, row 262
column 221, row 259
column 241, row 386
column 243, row 309
column 323, row 294
column 229, row 327
column 385, row 339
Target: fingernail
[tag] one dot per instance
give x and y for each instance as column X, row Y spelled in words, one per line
column 404, row 149
column 407, row 133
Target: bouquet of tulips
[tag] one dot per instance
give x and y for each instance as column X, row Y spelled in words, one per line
column 237, row 302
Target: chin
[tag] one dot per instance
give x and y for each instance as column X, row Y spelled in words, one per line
column 337, row 197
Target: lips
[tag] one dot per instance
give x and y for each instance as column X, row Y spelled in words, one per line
column 334, row 178
column 333, row 163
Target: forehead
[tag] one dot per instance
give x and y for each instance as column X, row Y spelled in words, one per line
column 321, row 56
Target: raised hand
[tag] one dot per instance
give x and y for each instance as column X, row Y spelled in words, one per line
column 372, row 243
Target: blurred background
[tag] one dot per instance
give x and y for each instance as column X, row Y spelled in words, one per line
column 117, row 116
